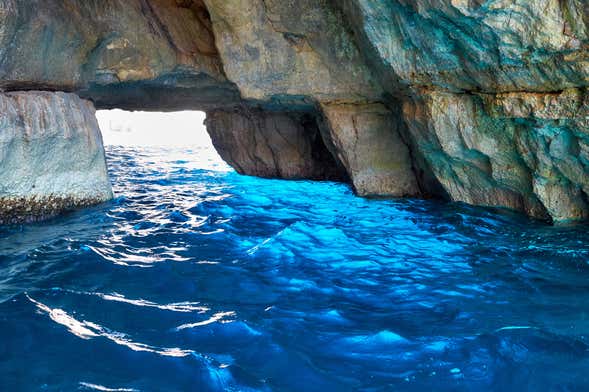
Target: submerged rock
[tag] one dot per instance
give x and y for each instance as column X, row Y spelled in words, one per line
column 51, row 155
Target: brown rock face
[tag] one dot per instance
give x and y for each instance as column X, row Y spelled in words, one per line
column 477, row 101
column 276, row 48
column 273, row 144
column 368, row 142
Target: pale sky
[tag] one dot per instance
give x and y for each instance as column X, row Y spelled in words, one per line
column 176, row 129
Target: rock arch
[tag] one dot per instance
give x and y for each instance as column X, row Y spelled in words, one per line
column 482, row 102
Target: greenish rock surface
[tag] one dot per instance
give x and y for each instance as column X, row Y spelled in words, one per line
column 526, row 152
column 475, row 45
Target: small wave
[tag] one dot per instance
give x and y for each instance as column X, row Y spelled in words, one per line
column 217, row 317
column 89, row 330
column 102, row 388
column 182, row 307
column 204, row 279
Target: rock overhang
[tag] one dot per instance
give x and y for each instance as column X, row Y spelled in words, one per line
column 456, row 79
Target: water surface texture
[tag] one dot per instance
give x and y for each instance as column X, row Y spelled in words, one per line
column 197, row 278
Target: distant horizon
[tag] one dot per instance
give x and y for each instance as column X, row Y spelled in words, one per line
column 153, row 129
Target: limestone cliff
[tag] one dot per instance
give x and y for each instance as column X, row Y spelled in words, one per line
column 481, row 101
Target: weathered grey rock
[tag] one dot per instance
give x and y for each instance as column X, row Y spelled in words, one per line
column 367, row 141
column 273, row 144
column 51, row 156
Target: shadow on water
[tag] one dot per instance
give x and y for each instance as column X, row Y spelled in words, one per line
column 196, row 278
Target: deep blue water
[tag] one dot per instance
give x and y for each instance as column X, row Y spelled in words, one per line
column 198, row 279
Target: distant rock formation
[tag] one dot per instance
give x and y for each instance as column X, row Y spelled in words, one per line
column 483, row 102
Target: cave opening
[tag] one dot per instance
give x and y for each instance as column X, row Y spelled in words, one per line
column 153, row 129
column 181, row 131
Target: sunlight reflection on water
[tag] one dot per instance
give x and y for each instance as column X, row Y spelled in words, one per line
column 197, row 278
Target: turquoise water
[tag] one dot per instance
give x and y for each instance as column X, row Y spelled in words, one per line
column 198, row 279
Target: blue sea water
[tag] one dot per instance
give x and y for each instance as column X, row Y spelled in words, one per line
column 198, row 279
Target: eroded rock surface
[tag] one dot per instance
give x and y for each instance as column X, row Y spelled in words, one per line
column 477, row 101
column 475, row 45
column 519, row 151
column 51, row 155
column 132, row 54
column 367, row 141
column 276, row 49
column 273, row 144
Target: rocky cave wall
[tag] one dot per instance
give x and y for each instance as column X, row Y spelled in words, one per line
column 478, row 101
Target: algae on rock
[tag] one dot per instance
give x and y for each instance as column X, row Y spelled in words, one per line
column 51, row 155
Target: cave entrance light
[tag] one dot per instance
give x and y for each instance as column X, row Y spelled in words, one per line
column 169, row 131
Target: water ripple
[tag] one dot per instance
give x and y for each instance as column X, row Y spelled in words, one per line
column 87, row 330
column 197, row 278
